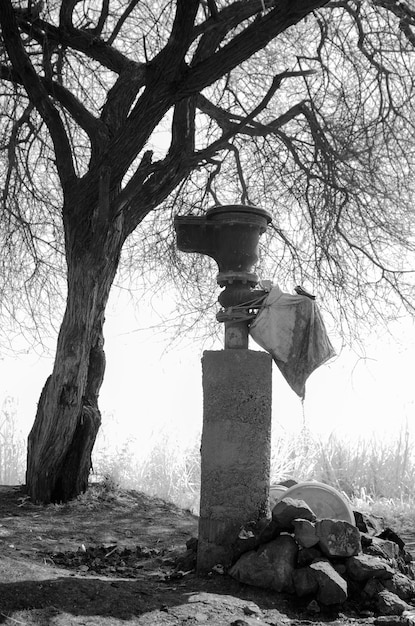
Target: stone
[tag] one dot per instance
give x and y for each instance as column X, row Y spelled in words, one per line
column 340, row 568
column 287, row 510
column 373, row 587
column 401, row 585
column 269, row 567
column 305, row 533
column 366, row 540
column 392, row 536
column 338, row 538
column 363, row 566
column 332, row 588
column 383, row 547
column 389, row 603
column 304, row 581
column 253, row 535
column 248, row 610
column 406, row 556
column 244, row 544
column 220, row 602
column 308, row 555
column 187, row 561
column 290, row 482
column 370, row 524
column 270, row 532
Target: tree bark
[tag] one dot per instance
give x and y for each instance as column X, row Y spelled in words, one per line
column 68, row 418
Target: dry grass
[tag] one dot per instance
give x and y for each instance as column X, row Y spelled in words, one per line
column 381, row 469
column 12, row 445
column 166, row 469
column 378, row 475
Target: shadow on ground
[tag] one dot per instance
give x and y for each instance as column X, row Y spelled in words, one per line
column 72, row 600
column 35, row 589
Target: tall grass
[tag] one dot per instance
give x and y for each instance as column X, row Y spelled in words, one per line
column 374, row 466
column 376, row 473
column 368, row 470
column 12, row 445
column 162, row 466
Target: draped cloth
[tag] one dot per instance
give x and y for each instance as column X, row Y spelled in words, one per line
column 291, row 329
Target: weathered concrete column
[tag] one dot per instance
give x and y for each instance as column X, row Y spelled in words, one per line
column 236, row 449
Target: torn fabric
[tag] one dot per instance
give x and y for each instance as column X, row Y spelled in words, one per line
column 292, row 330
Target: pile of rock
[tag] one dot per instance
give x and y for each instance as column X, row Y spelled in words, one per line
column 326, row 561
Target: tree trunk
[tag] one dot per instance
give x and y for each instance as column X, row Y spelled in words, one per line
column 68, row 418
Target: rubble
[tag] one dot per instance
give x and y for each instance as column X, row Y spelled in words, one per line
column 287, row 510
column 327, row 562
column 389, row 603
column 332, row 588
column 338, row 538
column 364, row 566
column 271, row 566
column 305, row 533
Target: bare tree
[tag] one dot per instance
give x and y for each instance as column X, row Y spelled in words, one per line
column 116, row 110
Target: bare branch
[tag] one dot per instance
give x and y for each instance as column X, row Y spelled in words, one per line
column 215, row 172
column 121, row 96
column 124, row 16
column 11, row 148
column 325, row 152
column 245, row 122
column 244, row 196
column 153, row 181
column 103, row 17
column 37, row 93
column 66, row 12
column 183, row 129
column 81, row 40
column 213, row 9
column 173, row 53
column 227, row 121
column 162, row 74
column 241, row 47
column 229, row 17
column 94, row 128
column 126, row 197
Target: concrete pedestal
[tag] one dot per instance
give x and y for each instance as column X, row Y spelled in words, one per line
column 236, row 448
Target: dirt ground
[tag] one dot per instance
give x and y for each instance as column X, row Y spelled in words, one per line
column 113, row 557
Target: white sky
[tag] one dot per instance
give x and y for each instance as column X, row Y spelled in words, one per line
column 147, row 389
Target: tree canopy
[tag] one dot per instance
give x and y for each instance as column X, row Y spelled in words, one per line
column 117, row 114
column 301, row 107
